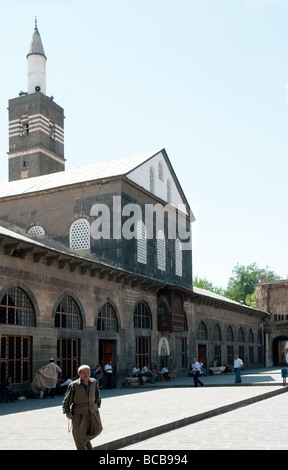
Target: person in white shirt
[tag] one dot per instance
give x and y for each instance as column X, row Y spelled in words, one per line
column 238, row 364
column 108, row 372
column 137, row 373
column 164, row 374
column 196, row 371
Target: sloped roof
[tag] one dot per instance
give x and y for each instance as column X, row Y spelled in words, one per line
column 211, row 298
column 213, row 295
column 75, row 176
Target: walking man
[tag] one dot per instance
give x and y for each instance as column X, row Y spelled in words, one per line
column 81, row 404
column 238, row 364
column 196, row 371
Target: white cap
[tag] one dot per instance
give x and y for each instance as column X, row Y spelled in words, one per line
column 83, row 367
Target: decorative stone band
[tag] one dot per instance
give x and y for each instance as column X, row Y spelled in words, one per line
column 23, row 153
column 36, row 122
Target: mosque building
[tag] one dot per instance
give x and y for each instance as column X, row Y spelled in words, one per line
column 96, row 262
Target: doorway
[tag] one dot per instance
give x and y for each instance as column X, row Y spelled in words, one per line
column 202, row 354
column 107, row 353
column 280, row 351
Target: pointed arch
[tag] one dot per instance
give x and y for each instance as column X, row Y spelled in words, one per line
column 241, row 336
column 217, row 335
column 202, row 332
column 250, row 336
column 16, row 308
column 229, row 334
column 68, row 314
column 142, row 315
column 107, row 318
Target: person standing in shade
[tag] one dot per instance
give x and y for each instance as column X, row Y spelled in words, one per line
column 81, row 404
column 238, row 364
column 196, row 371
column 108, row 372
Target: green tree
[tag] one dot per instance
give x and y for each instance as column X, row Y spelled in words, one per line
column 241, row 286
column 202, row 283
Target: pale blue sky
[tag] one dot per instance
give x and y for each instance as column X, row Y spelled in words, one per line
column 204, row 79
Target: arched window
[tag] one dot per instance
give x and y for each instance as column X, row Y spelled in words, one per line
column 250, row 336
column 241, row 335
column 152, row 179
column 202, row 332
column 141, row 243
column 217, row 333
column 68, row 314
column 80, row 235
column 16, row 308
column 36, row 230
column 178, row 257
column 142, row 316
column 230, row 335
column 161, row 251
column 107, row 319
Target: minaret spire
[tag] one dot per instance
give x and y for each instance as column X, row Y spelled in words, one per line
column 36, row 123
column 36, row 64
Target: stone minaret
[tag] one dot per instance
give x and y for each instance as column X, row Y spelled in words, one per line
column 36, row 123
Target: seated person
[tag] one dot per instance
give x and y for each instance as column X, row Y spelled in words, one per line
column 99, row 376
column 6, row 390
column 3, row 393
column 164, row 374
column 137, row 373
column 62, row 385
column 146, row 372
column 154, row 374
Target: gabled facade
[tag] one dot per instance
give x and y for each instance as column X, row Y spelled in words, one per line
column 116, row 217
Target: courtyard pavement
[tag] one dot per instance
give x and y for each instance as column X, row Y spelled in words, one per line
column 166, row 415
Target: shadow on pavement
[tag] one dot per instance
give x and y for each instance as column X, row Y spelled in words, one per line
column 263, row 376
